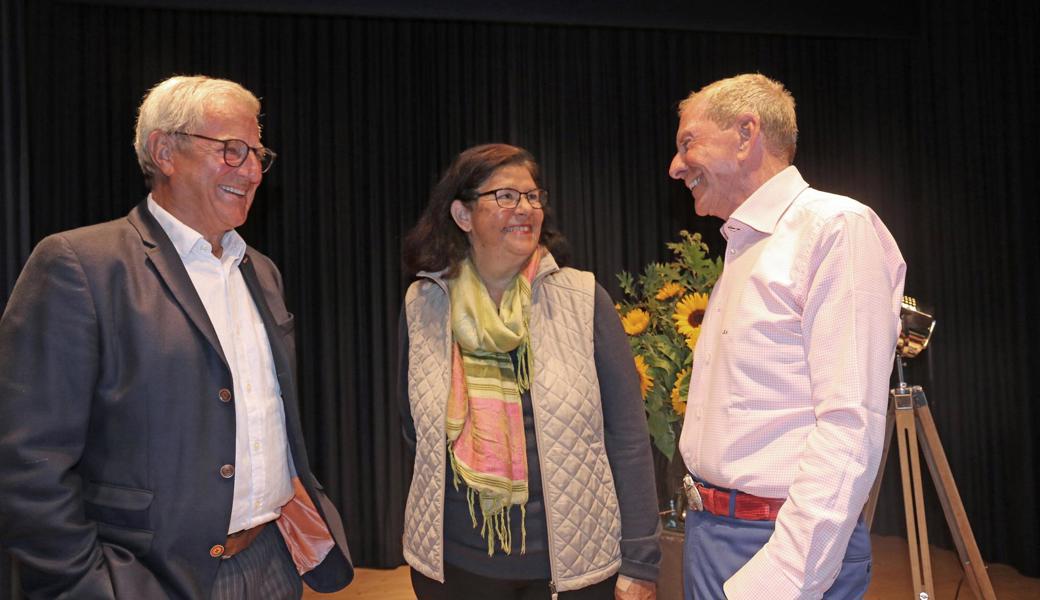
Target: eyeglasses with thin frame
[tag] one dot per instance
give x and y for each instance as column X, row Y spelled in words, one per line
column 236, row 151
column 510, row 198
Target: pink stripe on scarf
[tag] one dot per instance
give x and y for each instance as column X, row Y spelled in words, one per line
column 481, row 447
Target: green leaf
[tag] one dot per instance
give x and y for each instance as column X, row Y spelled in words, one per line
column 670, row 272
column 625, row 280
column 674, row 354
column 652, row 279
column 662, row 433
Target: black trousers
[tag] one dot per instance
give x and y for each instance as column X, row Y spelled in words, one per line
column 463, row 585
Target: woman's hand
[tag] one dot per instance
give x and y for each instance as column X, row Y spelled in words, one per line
column 634, row 589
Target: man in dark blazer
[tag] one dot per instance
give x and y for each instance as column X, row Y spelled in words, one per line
column 150, row 439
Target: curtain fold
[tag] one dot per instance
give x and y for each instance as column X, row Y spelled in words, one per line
column 14, row 183
column 933, row 131
column 14, row 163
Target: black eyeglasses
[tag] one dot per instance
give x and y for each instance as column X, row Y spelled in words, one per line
column 236, row 151
column 510, row 198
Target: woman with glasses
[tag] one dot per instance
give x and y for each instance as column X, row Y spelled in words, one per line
column 533, row 476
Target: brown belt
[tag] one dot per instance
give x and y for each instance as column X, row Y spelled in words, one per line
column 240, row 540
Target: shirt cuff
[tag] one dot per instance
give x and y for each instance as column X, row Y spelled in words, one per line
column 761, row 577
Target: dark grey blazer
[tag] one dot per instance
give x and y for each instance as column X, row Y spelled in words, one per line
column 112, row 427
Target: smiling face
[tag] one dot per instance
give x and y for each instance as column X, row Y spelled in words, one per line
column 501, row 238
column 200, row 189
column 707, row 161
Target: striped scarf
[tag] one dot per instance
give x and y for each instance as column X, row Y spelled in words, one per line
column 485, row 421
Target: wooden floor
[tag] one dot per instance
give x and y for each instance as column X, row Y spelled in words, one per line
column 891, row 578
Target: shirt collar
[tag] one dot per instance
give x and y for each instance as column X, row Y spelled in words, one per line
column 186, row 240
column 763, row 209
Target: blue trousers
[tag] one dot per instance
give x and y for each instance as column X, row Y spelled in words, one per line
column 717, row 547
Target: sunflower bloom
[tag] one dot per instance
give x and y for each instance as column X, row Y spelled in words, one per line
column 635, row 321
column 689, row 313
column 691, row 339
column 646, row 382
column 669, row 290
column 679, row 398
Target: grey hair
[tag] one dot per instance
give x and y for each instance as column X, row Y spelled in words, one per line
column 179, row 104
column 726, row 99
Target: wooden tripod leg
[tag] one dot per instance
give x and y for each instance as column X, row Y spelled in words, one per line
column 957, row 519
column 913, row 503
column 871, row 506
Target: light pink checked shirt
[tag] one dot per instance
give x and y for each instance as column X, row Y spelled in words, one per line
column 789, row 387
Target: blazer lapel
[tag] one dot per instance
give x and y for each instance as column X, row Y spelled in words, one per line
column 283, row 364
column 170, row 267
column 282, row 360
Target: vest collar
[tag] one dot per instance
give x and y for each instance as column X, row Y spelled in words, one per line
column 546, row 267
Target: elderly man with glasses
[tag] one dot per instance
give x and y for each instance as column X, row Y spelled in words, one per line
column 150, row 440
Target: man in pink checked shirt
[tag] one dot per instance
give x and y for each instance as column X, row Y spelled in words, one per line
column 786, row 415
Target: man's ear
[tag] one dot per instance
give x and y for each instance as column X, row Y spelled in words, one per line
column 748, row 129
column 462, row 215
column 160, row 148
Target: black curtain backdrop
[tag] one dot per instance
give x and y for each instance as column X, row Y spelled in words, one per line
column 14, row 171
column 934, row 129
column 14, row 163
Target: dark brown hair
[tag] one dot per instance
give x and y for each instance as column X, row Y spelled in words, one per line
column 436, row 243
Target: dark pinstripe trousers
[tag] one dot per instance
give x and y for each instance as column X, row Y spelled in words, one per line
column 263, row 571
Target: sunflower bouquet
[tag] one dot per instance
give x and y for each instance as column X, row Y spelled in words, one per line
column 662, row 313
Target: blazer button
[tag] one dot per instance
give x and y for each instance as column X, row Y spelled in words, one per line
column 224, row 394
column 227, row 471
column 216, row 551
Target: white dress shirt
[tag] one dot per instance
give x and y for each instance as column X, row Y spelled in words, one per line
column 262, row 479
column 790, row 376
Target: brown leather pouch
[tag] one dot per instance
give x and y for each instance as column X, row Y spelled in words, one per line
column 304, row 530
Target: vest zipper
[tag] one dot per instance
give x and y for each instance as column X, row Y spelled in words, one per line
column 442, row 435
column 545, row 501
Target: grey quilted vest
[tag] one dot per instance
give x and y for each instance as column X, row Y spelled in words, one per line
column 581, row 506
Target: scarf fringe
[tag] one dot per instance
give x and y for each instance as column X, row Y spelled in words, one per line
column 496, row 524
